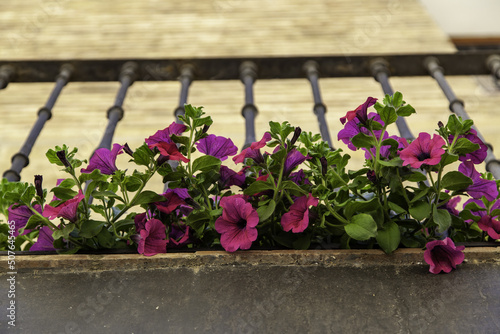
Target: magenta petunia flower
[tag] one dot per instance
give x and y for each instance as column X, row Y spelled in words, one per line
column 360, row 112
column 299, row 177
column 297, row 219
column 104, row 160
column 152, row 238
column 293, row 159
column 229, row 177
column 477, row 156
column 20, row 217
column 237, row 225
column 45, row 242
column 490, row 226
column 179, row 236
column 423, row 150
column 174, row 200
column 67, row 210
column 216, row 146
column 170, row 151
column 443, row 255
column 480, row 187
column 253, row 152
column 164, row 135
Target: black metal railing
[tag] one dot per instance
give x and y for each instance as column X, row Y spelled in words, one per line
column 127, row 71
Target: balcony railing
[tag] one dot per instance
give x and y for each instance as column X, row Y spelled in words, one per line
column 248, row 70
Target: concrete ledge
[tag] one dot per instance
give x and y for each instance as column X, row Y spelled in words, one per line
column 315, row 291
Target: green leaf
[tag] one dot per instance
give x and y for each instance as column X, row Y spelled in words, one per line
column 455, row 180
column 206, row 162
column 142, row 155
column 448, row 158
column 132, row 183
column 257, row 187
column 198, row 220
column 417, row 177
column 420, row 210
column 454, row 124
column 405, row 110
column 148, row 196
column 266, row 211
column 202, row 121
column 388, row 115
column 64, row 232
column 64, row 193
column 463, row 146
column 95, row 175
column 442, row 218
column 391, row 163
column 124, row 224
column 397, row 99
column 389, row 237
column 361, row 227
column 28, row 195
column 34, row 221
column 106, row 239
column 293, row 188
column 91, row 228
column 361, row 140
column 302, row 242
column 361, row 206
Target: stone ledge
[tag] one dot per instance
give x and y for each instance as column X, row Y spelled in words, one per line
column 322, row 258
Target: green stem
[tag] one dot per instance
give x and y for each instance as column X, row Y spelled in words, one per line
column 335, row 214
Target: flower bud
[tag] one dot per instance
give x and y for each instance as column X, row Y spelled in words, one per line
column 191, row 202
column 62, row 156
column 128, row 150
column 205, row 128
column 324, row 165
column 296, row 134
column 440, row 124
column 371, row 176
column 38, row 185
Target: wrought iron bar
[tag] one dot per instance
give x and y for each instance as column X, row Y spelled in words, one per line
column 186, row 78
column 248, row 75
column 457, row 107
column 21, row 158
column 493, row 63
column 312, row 73
column 6, row 74
column 459, row 63
column 115, row 113
column 381, row 73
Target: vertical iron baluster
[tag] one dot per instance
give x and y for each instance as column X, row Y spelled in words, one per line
column 248, row 75
column 457, row 107
column 381, row 73
column 115, row 113
column 493, row 63
column 312, row 73
column 20, row 159
column 186, row 78
column 6, row 74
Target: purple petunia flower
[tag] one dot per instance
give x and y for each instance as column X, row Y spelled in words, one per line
column 163, row 136
column 297, row 219
column 20, row 217
column 480, row 187
column 216, row 146
column 477, row 156
column 67, row 210
column 353, row 127
column 229, row 177
column 360, row 112
column 174, row 198
column 179, row 236
column 293, row 159
column 423, row 150
column 152, row 238
column 443, row 255
column 45, row 242
column 237, row 225
column 253, row 152
column 104, row 160
column 299, row 177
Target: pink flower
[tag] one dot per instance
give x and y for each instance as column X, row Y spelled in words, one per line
column 170, row 151
column 20, row 216
column 67, row 210
column 443, row 255
column 237, row 225
column 164, row 135
column 360, row 112
column 490, row 226
column 152, row 238
column 297, row 219
column 423, row 150
column 253, row 152
column 173, row 201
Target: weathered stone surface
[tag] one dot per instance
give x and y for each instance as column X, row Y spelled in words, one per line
column 327, row 291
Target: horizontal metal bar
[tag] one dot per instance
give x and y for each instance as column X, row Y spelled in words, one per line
column 460, row 63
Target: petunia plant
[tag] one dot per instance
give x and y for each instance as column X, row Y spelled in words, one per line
column 289, row 189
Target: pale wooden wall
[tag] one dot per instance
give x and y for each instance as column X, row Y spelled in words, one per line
column 65, row 29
